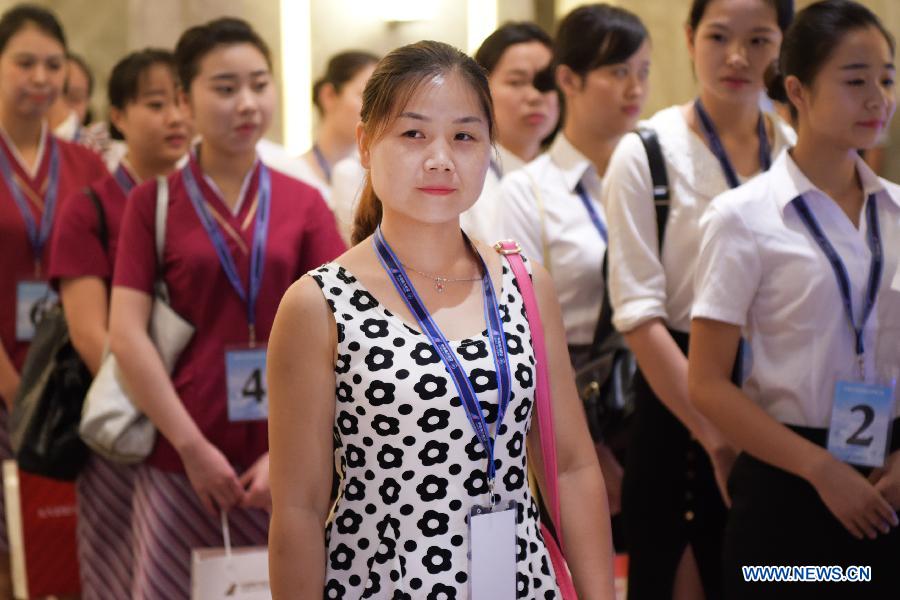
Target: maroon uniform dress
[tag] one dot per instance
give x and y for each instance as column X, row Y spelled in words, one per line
column 105, row 489
column 78, row 167
column 168, row 518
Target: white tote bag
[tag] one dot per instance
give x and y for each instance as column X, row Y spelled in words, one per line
column 230, row 573
column 110, row 423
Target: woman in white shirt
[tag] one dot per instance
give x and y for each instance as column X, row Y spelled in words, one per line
column 552, row 205
column 793, row 258
column 674, row 512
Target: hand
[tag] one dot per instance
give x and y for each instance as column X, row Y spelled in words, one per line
column 612, row 477
column 855, row 502
column 212, row 477
column 255, row 481
column 722, row 456
column 887, row 480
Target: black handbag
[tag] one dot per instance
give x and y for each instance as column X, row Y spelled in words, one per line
column 47, row 408
column 605, row 382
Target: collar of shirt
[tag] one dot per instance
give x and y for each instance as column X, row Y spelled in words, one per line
column 68, row 128
column 508, row 161
column 790, row 182
column 33, row 169
column 573, row 165
column 236, row 210
column 688, row 156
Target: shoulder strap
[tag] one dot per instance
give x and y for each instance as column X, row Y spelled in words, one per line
column 102, row 227
column 162, row 211
column 512, row 252
column 542, row 218
column 661, row 195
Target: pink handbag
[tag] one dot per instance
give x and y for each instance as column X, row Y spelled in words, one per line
column 511, row 251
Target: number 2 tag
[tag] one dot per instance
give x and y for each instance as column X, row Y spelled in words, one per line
column 860, row 428
column 245, row 376
column 32, row 299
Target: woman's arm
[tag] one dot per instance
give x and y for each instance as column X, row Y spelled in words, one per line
column 852, row 499
column 9, row 378
column 151, row 390
column 585, row 514
column 84, row 301
column 300, row 374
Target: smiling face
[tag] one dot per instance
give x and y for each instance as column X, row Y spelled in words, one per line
column 153, row 123
column 852, row 98
column 232, row 98
column 525, row 115
column 32, row 73
column 733, row 44
column 429, row 163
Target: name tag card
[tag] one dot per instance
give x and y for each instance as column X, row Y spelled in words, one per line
column 861, row 423
column 492, row 553
column 32, row 299
column 245, row 375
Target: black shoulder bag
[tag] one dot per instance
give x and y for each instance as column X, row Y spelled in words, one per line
column 47, row 407
column 606, row 381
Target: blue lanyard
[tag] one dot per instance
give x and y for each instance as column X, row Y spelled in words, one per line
column 592, row 211
column 257, row 254
column 323, row 164
column 715, row 144
column 124, row 179
column 467, row 395
column 37, row 236
column 840, row 270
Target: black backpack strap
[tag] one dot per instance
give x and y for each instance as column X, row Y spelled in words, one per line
column 102, row 227
column 660, row 179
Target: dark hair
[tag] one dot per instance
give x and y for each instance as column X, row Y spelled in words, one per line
column 395, row 80
column 125, row 79
column 200, row 40
column 784, row 12
column 21, row 15
column 808, row 43
column 595, row 35
column 341, row 69
column 492, row 48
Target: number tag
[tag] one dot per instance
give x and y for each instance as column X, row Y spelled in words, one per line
column 860, row 428
column 245, row 375
column 32, row 300
column 492, row 553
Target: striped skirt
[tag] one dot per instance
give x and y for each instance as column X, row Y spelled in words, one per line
column 105, row 551
column 169, row 522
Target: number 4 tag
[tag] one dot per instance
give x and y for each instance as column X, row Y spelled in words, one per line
column 861, row 423
column 245, row 374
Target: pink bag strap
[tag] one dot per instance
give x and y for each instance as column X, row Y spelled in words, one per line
column 512, row 252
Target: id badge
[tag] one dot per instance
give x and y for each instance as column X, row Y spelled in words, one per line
column 492, row 552
column 861, row 417
column 245, row 375
column 32, row 300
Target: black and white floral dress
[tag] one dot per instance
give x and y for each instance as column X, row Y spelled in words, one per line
column 411, row 467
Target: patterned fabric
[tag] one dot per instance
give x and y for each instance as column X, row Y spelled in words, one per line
column 169, row 522
column 411, row 467
column 105, row 553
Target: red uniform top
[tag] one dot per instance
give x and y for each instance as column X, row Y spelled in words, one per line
column 77, row 249
column 78, row 167
column 302, row 235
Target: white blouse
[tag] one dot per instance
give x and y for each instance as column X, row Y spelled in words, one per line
column 643, row 287
column 542, row 211
column 760, row 268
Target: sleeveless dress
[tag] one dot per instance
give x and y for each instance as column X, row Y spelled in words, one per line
column 411, row 467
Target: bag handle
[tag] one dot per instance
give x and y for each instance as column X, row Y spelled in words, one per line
column 512, row 252
column 162, row 210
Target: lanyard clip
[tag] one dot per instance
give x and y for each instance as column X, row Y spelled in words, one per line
column 491, row 492
column 252, row 328
column 861, row 362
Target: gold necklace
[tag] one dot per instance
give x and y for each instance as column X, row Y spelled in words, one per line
column 440, row 281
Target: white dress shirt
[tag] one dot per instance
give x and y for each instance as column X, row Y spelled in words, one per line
column 565, row 239
column 277, row 157
column 641, row 286
column 760, row 268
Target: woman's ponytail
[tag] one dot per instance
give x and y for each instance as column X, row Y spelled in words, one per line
column 368, row 214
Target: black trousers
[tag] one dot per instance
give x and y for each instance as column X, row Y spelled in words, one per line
column 670, row 500
column 777, row 518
